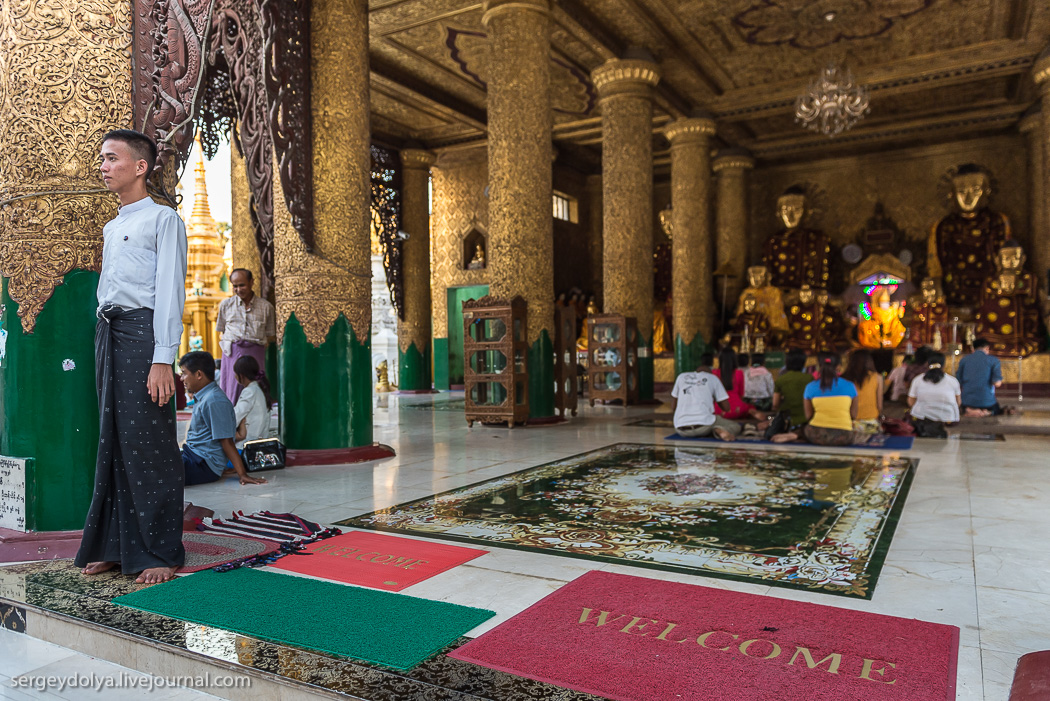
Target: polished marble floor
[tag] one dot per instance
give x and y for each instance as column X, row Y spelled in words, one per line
column 968, row 549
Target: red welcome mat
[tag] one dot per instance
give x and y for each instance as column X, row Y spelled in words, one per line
column 378, row 561
column 637, row 639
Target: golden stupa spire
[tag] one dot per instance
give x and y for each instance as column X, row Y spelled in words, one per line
column 205, row 264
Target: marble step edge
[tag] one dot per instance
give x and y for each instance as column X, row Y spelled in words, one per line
column 161, row 659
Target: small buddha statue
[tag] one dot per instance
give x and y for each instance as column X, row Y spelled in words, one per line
column 478, row 261
column 804, row 317
column 884, row 329
column 834, row 330
column 383, row 378
column 750, row 322
column 592, row 309
column 196, row 340
column 927, row 314
column 796, row 256
column 661, row 329
column 1009, row 313
column 768, row 299
column 962, row 247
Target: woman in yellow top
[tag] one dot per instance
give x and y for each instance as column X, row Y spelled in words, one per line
column 831, row 405
column 860, row 370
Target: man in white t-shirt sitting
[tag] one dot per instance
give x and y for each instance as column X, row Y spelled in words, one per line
column 693, row 400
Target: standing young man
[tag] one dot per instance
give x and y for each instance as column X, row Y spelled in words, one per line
column 135, row 519
column 248, row 323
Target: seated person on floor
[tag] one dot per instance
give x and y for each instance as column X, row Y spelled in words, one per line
column 209, row 441
column 732, row 378
column 252, row 412
column 758, row 383
column 860, row 370
column 830, row 404
column 934, row 399
column 979, row 374
column 693, row 401
column 895, row 383
column 788, row 390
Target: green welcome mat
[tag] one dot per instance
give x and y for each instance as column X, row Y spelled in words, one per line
column 375, row 626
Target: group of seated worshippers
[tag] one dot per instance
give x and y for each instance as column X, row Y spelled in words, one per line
column 218, row 429
column 824, row 406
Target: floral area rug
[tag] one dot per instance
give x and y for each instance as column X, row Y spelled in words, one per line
column 802, row 520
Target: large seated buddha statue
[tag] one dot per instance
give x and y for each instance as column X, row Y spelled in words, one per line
column 927, row 315
column 962, row 247
column 834, row 329
column 796, row 256
column 884, row 328
column 1009, row 313
column 751, row 323
column 804, row 318
column 768, row 299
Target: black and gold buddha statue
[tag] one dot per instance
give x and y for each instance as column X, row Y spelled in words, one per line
column 962, row 247
column 796, row 256
column 1009, row 313
column 804, row 318
column 927, row 315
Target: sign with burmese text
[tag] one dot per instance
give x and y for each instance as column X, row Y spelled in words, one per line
column 638, row 639
column 13, row 493
column 376, row 560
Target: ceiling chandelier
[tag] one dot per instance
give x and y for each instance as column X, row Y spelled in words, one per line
column 832, row 103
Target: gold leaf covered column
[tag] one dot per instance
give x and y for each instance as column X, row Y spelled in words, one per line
column 625, row 89
column 731, row 166
column 1040, row 144
column 413, row 332
column 65, row 80
column 324, row 309
column 693, row 304
column 520, row 211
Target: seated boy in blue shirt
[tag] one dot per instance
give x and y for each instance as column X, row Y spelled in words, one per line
column 209, row 441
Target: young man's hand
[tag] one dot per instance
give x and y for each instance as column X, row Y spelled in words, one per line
column 161, row 383
column 248, row 479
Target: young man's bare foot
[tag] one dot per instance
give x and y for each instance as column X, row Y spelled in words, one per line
column 724, row 435
column 156, row 575
column 784, row 438
column 98, row 567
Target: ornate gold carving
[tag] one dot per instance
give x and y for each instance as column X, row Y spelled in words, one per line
column 245, row 248
column 1041, row 72
column 731, row 224
column 494, row 8
column 65, row 80
column 690, row 221
column 336, row 278
column 625, row 77
column 521, row 244
column 813, row 26
column 415, row 251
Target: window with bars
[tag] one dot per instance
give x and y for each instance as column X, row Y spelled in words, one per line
column 565, row 207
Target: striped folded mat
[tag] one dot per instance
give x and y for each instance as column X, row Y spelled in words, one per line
column 264, row 525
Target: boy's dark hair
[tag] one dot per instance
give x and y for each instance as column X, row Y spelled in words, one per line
column 707, row 359
column 981, row 343
column 141, row 145
column 795, row 360
column 199, row 360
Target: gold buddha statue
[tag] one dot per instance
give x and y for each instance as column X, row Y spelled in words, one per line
column 768, row 299
column 592, row 309
column 834, row 330
column 962, row 247
column 383, row 377
column 1009, row 313
column 884, row 329
column 478, row 261
column 751, row 323
column 927, row 315
column 661, row 329
column 796, row 256
column 804, row 316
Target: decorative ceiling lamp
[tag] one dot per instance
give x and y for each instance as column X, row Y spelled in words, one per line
column 832, row 103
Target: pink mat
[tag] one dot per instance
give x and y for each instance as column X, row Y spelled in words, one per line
column 637, row 639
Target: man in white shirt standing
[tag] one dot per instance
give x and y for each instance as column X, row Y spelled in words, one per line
column 135, row 518
column 693, row 401
column 248, row 324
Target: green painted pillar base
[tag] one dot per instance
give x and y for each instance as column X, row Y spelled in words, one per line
column 441, row 363
column 413, row 369
column 646, row 368
column 273, row 376
column 687, row 355
column 325, row 392
column 541, row 377
column 47, row 413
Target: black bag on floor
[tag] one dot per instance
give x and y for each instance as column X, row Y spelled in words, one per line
column 925, row 428
column 263, row 454
column 781, row 423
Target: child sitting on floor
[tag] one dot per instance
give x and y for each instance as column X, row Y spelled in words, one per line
column 758, row 383
column 252, row 412
column 209, row 441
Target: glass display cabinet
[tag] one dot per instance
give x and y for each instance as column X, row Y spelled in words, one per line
column 495, row 353
column 612, row 367
column 565, row 393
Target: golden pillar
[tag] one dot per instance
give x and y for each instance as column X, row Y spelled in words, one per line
column 413, row 331
column 692, row 301
column 731, row 227
column 324, row 309
column 65, row 80
column 594, row 234
column 625, row 88
column 520, row 213
column 1040, row 143
column 242, row 230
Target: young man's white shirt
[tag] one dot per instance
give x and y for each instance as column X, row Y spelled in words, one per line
column 697, row 393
